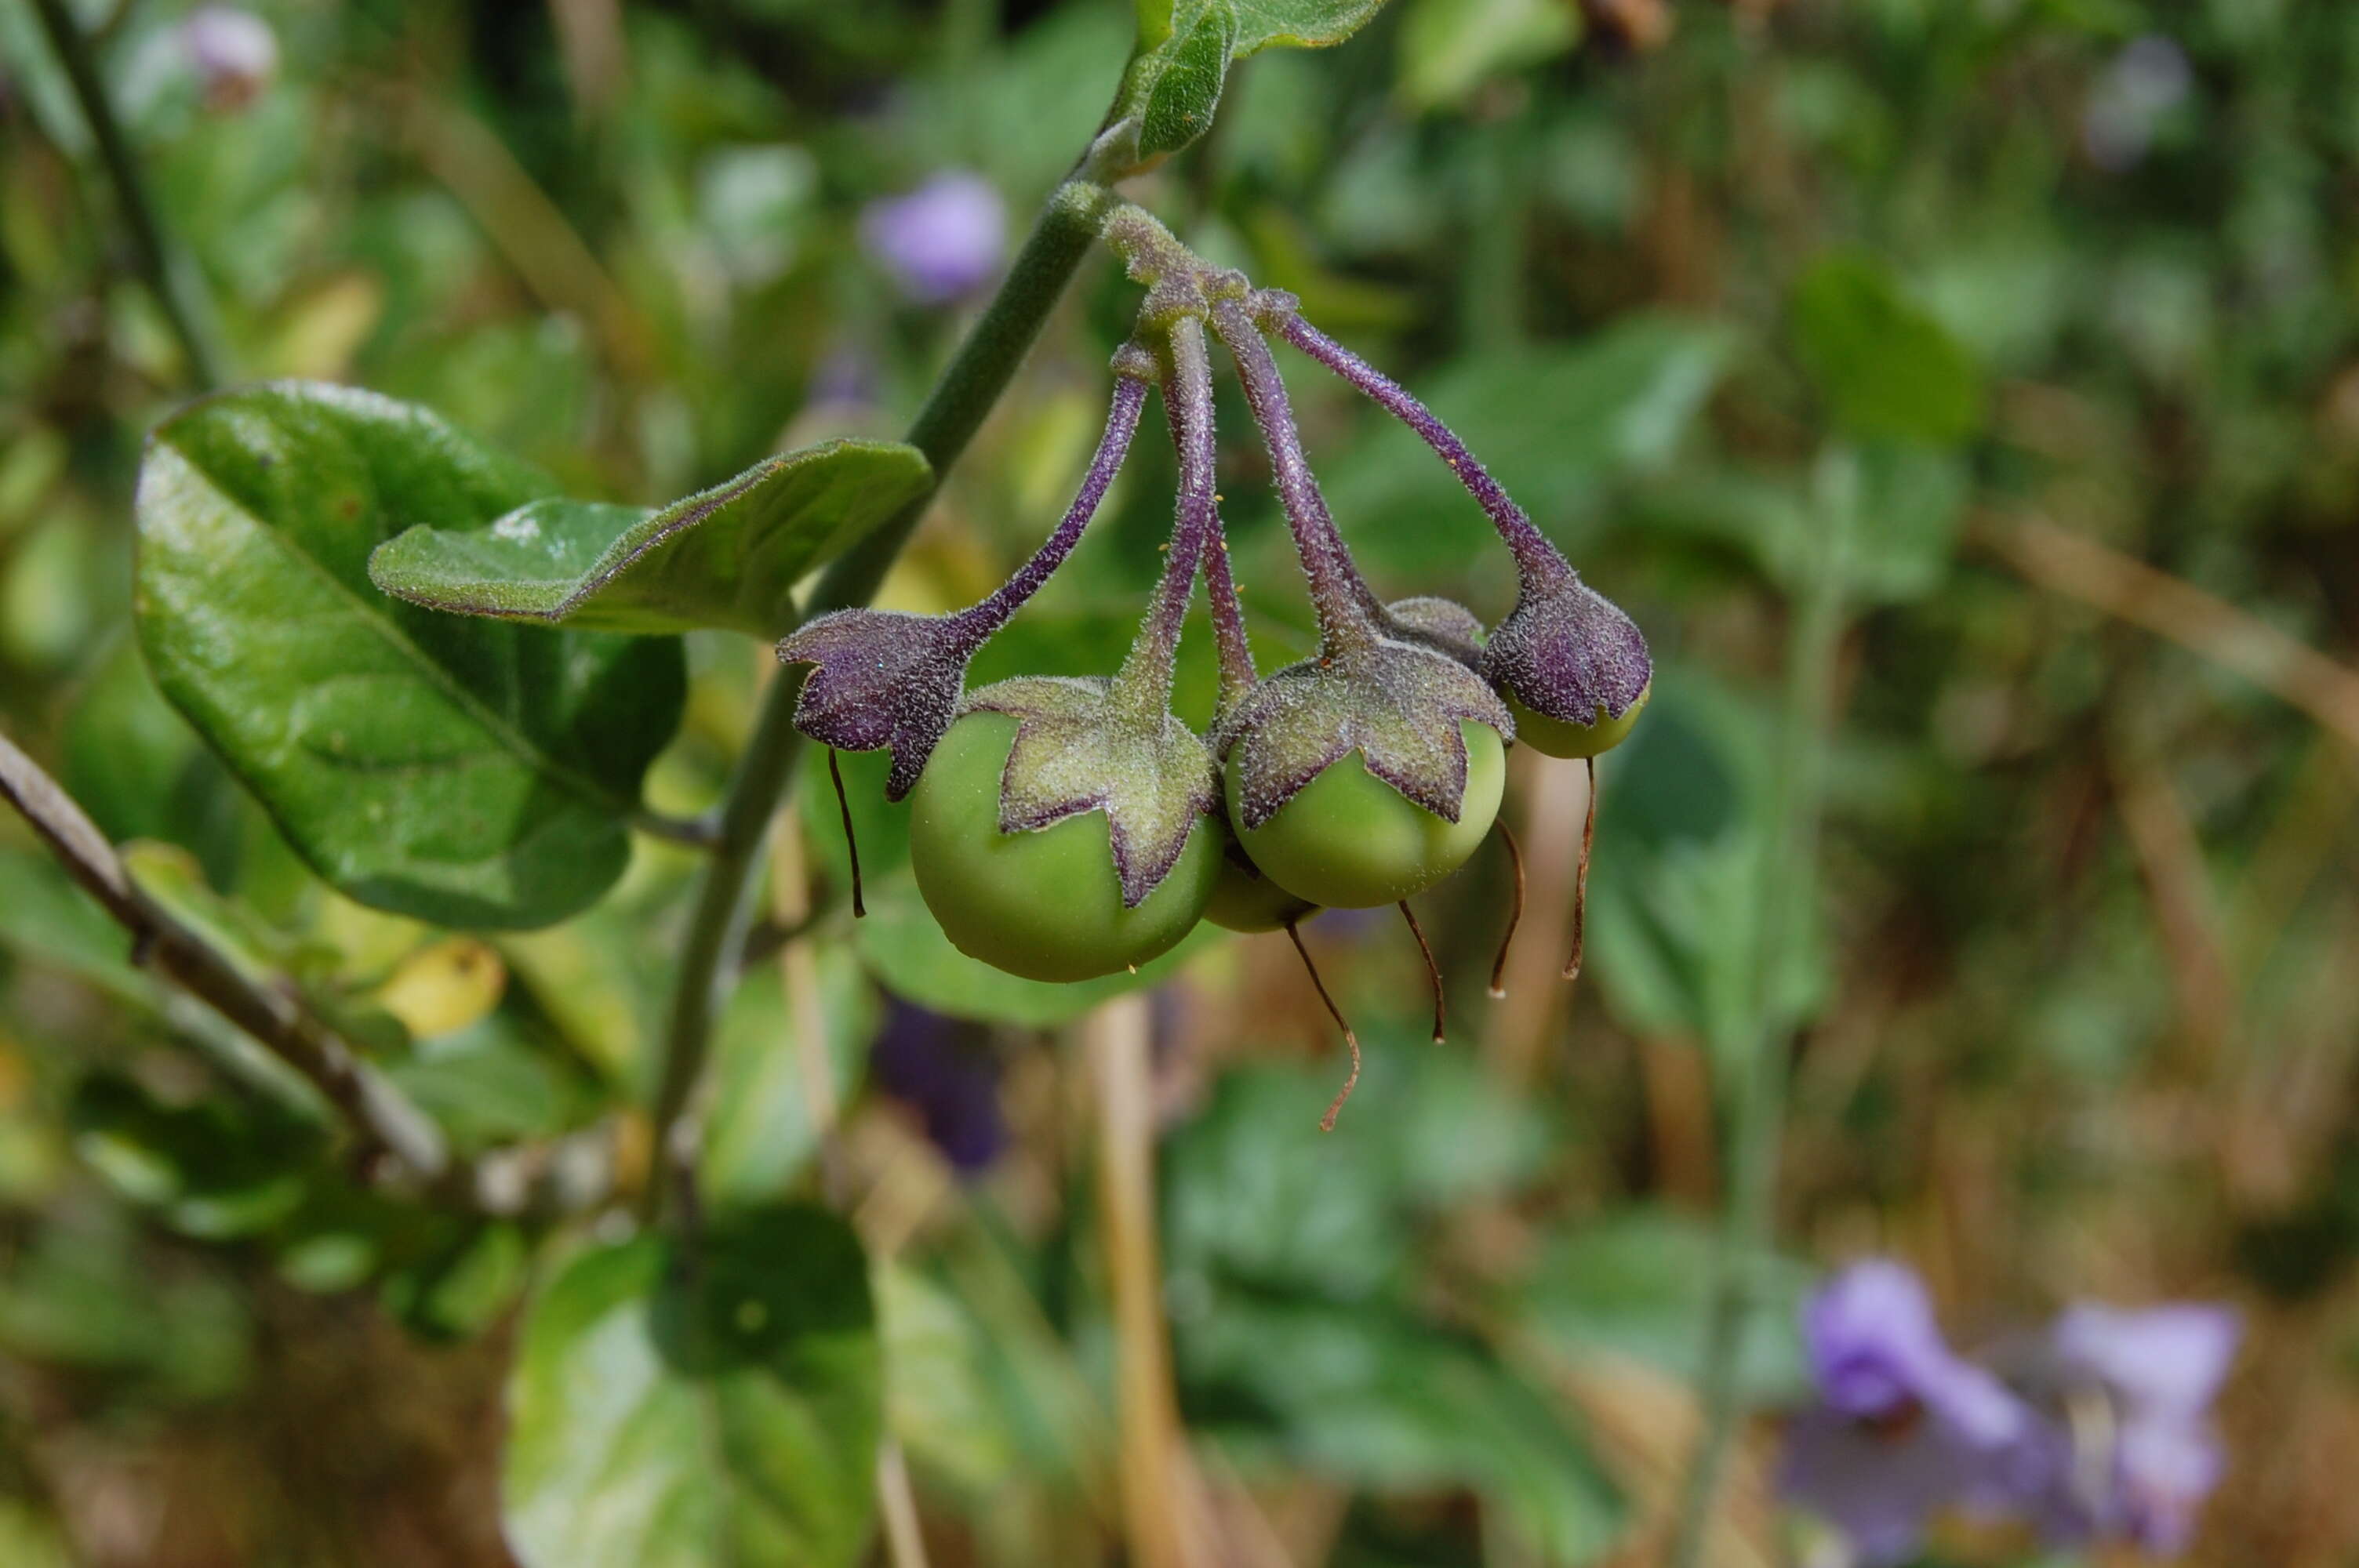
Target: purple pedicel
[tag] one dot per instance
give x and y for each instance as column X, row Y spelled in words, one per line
column 1347, row 609
column 943, row 241
column 1537, row 563
column 1906, row 1428
column 887, row 679
column 1148, row 667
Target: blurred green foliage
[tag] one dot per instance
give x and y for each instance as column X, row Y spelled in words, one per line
column 2079, row 1017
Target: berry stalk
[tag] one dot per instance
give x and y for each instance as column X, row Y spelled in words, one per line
column 1347, row 611
column 1144, row 682
column 980, row 620
column 1537, row 563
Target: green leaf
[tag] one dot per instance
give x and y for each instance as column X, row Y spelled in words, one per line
column 1182, row 63
column 1258, row 23
column 761, row 1133
column 1885, row 366
column 1183, row 87
column 1638, row 1284
column 1297, row 24
column 727, row 557
column 1369, row 1394
column 1449, row 48
column 716, row 1403
column 1684, row 819
column 461, row 772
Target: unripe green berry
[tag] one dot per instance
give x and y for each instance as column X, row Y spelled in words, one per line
column 1047, row 903
column 1245, row 900
column 1350, row 840
column 1554, row 737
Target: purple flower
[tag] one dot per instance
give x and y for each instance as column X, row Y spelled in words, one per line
column 940, row 1070
column 233, row 52
column 944, row 240
column 1906, row 1428
column 2137, row 1452
column 2148, row 79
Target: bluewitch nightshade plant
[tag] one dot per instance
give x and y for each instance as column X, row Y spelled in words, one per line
column 1065, row 829
column 2098, row 1427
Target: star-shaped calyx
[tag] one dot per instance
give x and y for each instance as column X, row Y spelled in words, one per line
column 882, row 679
column 1397, row 704
column 1085, row 744
column 1567, row 653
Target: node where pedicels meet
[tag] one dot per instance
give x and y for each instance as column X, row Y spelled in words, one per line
column 1054, row 831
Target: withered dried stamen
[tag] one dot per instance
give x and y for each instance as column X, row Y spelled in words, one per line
column 1580, row 879
column 1515, row 910
column 1433, row 973
column 1327, row 1122
column 851, row 839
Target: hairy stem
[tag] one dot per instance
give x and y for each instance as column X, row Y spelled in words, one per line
column 166, row 279
column 1788, row 877
column 1537, row 563
column 1345, row 608
column 1144, row 678
column 1237, row 676
column 978, row 373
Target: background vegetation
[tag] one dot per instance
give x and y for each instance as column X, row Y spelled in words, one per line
column 2060, row 298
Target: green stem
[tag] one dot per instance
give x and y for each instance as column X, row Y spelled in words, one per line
column 1786, row 900
column 165, row 280
column 980, row 370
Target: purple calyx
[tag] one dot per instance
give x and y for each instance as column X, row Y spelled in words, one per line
column 888, row 678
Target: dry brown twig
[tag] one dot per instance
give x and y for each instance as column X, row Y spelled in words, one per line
column 389, row 1129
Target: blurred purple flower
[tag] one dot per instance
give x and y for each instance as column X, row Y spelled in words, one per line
column 2148, row 79
column 933, row 1065
column 2137, row 1452
column 1906, row 1427
column 943, row 240
column 2103, row 1428
column 233, row 52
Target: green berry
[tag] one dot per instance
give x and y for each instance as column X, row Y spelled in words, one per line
column 1244, row 900
column 1556, row 738
column 1047, row 903
column 1350, row 840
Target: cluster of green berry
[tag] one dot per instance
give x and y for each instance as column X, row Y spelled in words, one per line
column 1065, row 829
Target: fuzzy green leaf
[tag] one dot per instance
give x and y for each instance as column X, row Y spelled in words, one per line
column 727, row 557
column 463, row 771
column 677, row 1408
column 1183, row 88
column 1185, row 47
column 1260, row 24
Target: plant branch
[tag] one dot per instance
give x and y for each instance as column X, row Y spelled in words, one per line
column 383, row 1119
column 165, row 278
column 979, row 373
column 1784, row 899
